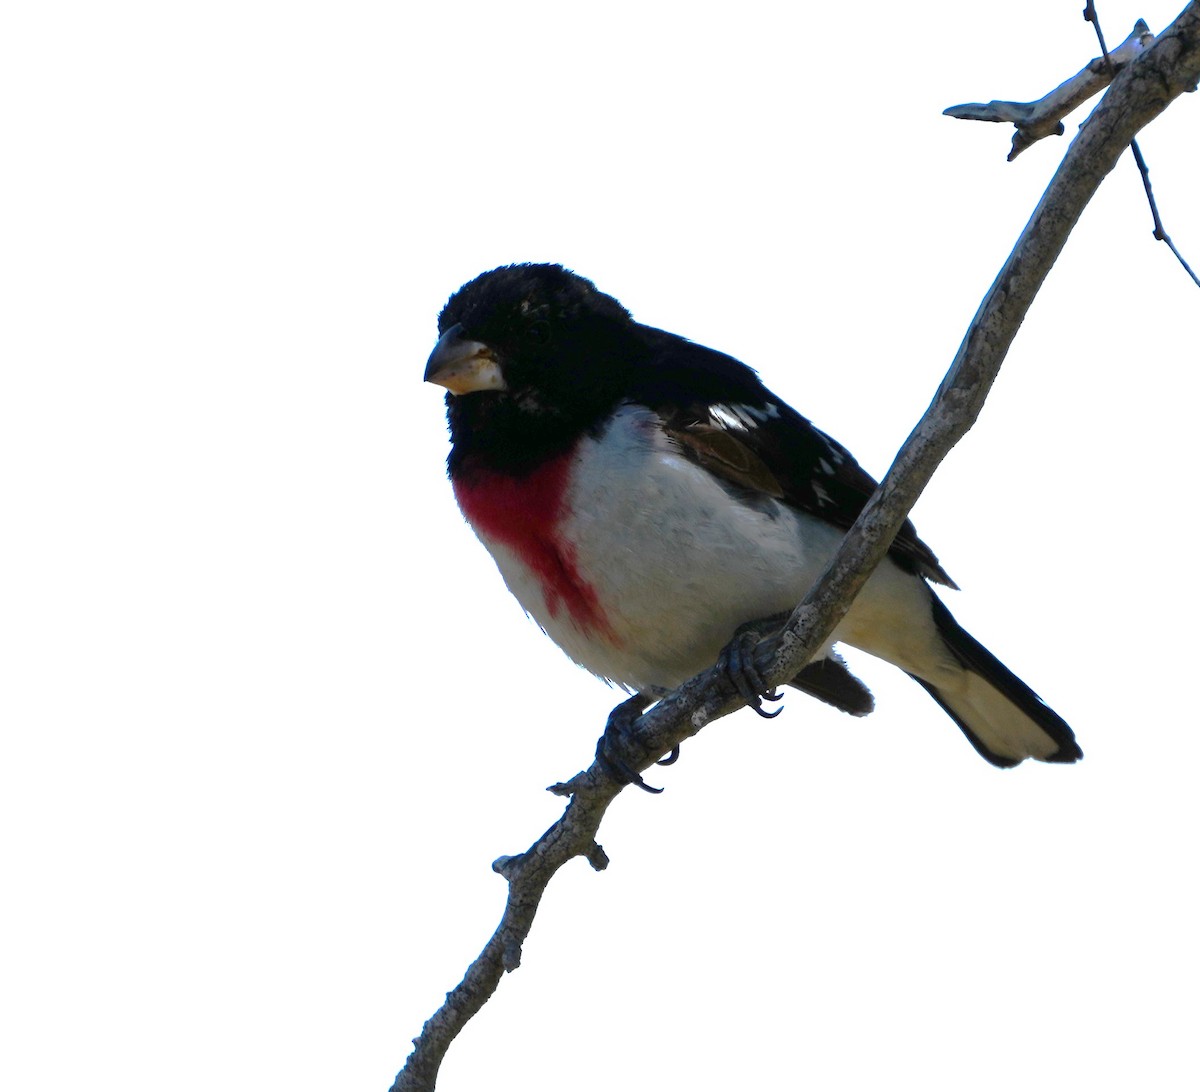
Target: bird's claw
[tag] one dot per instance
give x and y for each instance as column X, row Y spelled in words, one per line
column 737, row 662
column 611, row 747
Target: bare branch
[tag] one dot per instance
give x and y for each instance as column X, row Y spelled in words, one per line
column 1043, row 118
column 1140, row 92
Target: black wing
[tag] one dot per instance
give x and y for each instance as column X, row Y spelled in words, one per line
column 723, row 418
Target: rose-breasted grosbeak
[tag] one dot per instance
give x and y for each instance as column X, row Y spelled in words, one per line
column 644, row 497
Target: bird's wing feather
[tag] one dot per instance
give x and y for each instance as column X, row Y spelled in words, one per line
column 734, row 427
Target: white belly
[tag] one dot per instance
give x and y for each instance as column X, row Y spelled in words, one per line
column 678, row 566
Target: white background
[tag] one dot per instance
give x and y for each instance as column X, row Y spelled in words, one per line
column 268, row 711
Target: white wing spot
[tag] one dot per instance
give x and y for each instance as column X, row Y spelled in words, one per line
column 740, row 416
column 763, row 413
column 729, row 417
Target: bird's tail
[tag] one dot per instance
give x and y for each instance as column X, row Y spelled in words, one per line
column 830, row 680
column 1005, row 721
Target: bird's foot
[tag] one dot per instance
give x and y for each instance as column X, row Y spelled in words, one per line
column 612, row 747
column 737, row 662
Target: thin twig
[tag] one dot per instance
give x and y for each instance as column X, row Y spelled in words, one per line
column 1160, row 233
column 1089, row 13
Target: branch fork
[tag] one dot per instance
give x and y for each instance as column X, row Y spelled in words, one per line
column 1043, row 117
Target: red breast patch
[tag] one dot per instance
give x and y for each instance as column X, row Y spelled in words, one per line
column 525, row 513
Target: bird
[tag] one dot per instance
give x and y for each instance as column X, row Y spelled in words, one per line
column 647, row 500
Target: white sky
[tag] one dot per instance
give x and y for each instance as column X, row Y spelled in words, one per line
column 268, row 711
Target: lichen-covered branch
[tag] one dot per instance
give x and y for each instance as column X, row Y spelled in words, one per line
column 1141, row 91
column 1043, row 118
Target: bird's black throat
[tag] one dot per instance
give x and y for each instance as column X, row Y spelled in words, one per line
column 510, row 433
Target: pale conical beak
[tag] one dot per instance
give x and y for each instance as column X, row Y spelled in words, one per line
column 463, row 366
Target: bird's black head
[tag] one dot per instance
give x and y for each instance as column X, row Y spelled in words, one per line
column 533, row 357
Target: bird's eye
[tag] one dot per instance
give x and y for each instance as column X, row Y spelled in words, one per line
column 539, row 332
